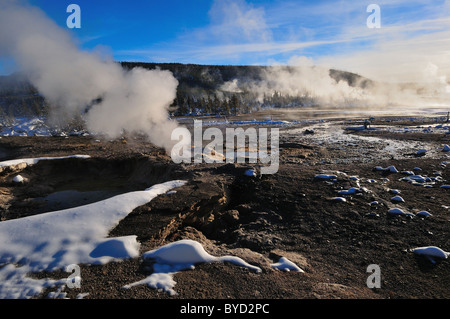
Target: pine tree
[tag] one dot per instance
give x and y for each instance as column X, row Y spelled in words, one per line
column 205, row 106
column 210, row 106
column 216, row 104
column 234, row 104
column 190, row 104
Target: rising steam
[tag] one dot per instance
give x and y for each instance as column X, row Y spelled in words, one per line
column 111, row 99
column 301, row 77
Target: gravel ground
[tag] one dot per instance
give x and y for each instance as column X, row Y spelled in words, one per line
column 261, row 218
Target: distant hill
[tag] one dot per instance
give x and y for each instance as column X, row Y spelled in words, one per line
column 199, row 90
column 19, row 98
column 211, row 77
column 200, row 87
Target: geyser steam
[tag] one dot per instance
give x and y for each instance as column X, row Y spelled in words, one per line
column 71, row 79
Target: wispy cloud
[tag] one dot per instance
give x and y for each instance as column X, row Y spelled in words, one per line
column 217, row 52
column 414, row 33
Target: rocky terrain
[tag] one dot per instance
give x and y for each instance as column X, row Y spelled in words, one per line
column 289, row 214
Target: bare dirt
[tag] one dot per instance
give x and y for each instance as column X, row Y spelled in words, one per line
column 260, row 219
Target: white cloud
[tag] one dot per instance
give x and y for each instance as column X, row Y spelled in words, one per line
column 238, row 21
column 413, row 34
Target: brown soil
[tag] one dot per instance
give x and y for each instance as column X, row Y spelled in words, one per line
column 257, row 218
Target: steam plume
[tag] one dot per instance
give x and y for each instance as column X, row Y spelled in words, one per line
column 71, row 79
column 301, row 77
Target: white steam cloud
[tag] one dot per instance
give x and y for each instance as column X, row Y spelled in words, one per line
column 301, row 77
column 70, row 79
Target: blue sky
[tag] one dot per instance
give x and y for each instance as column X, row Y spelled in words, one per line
column 413, row 32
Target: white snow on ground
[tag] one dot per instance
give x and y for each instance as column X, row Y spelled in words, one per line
column 32, row 161
column 180, row 255
column 424, row 213
column 279, row 123
column 338, row 199
column 36, row 126
column 250, row 172
column 431, row 252
column 420, row 180
column 350, row 191
column 335, row 135
column 325, row 176
column 22, row 126
column 285, row 264
column 18, row 179
column 391, row 169
column 421, row 151
column 398, row 199
column 398, row 211
column 57, row 239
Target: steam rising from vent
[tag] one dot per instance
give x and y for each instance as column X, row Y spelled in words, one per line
column 301, row 77
column 111, row 100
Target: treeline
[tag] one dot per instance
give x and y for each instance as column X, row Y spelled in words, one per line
column 199, row 91
column 233, row 103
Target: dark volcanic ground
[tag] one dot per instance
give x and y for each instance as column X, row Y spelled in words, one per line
column 259, row 219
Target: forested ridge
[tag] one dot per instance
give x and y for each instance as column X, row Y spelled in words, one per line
column 200, row 90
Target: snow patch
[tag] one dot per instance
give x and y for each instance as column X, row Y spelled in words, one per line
column 18, row 179
column 391, row 169
column 338, row 199
column 285, row 264
column 177, row 256
column 250, row 172
column 398, row 211
column 421, row 152
column 431, row 252
column 398, row 199
column 325, row 177
column 424, row 213
column 53, row 240
column 351, row 191
column 32, row 161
